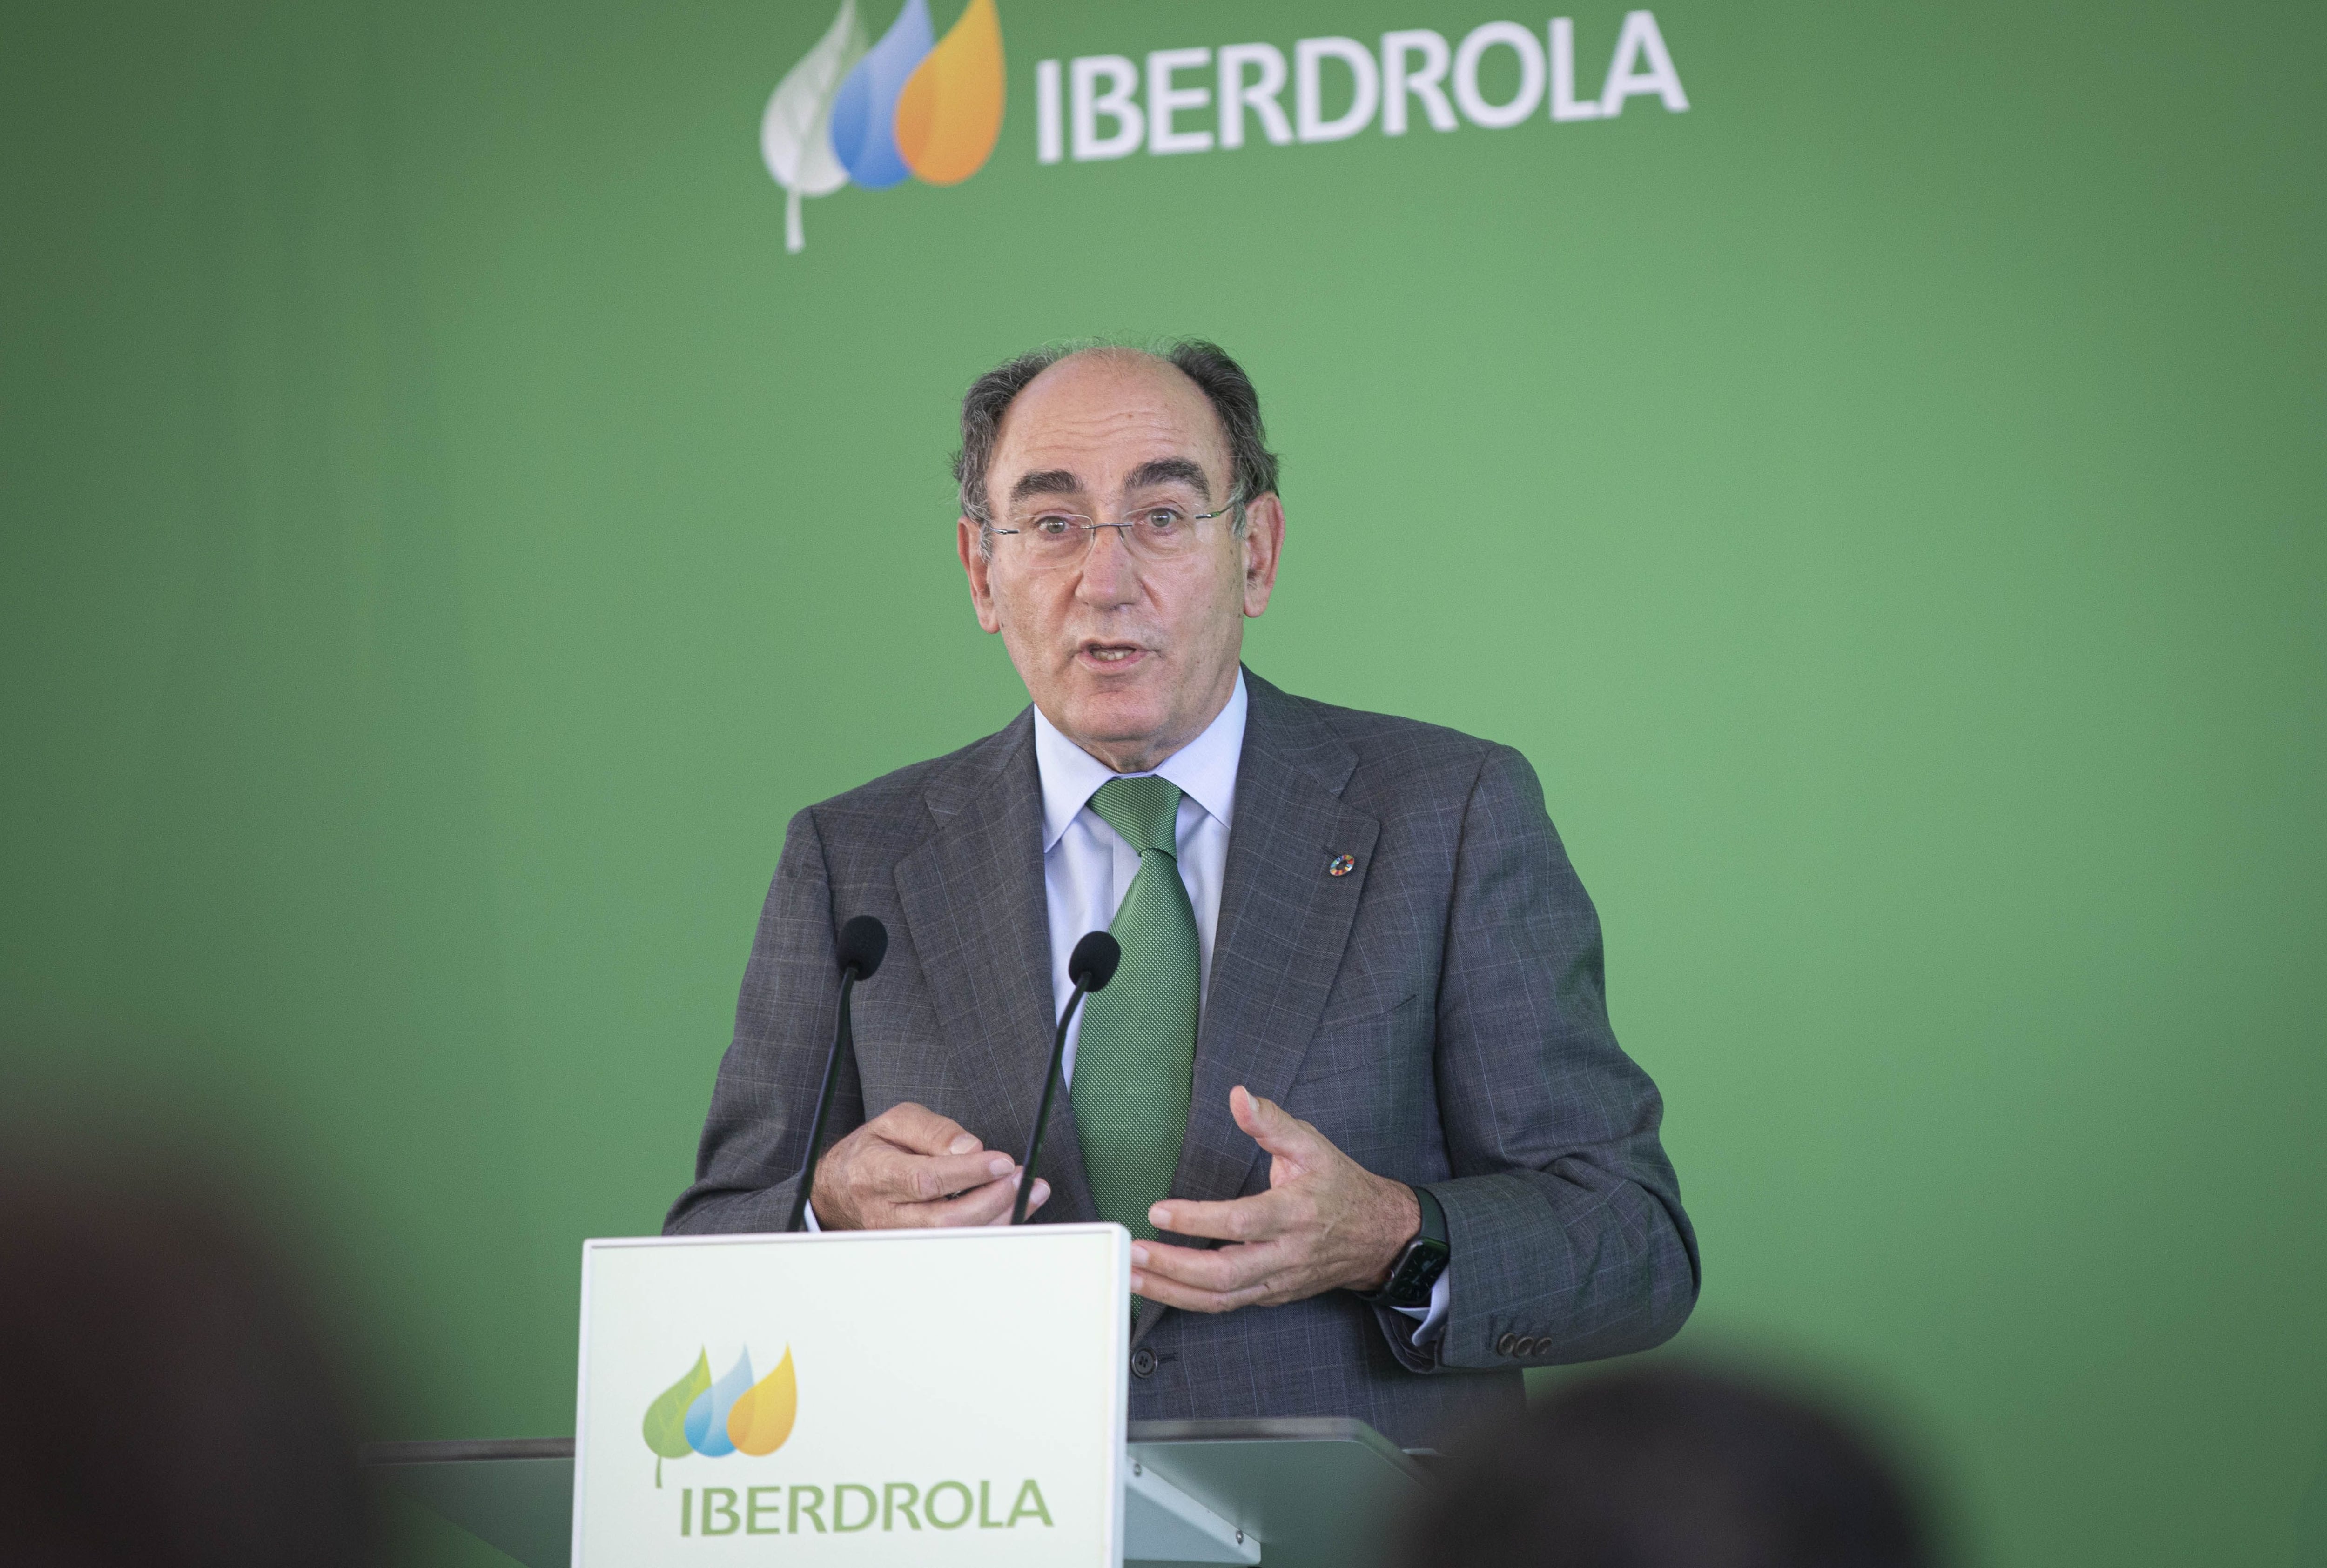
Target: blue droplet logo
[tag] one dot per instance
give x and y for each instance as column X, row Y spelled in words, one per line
column 706, row 1418
column 864, row 112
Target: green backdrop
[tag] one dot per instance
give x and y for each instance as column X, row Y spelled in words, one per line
column 447, row 537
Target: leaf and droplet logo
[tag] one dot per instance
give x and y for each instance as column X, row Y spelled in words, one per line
column 912, row 105
column 732, row 1415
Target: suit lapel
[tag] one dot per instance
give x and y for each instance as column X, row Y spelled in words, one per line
column 1283, row 923
column 978, row 917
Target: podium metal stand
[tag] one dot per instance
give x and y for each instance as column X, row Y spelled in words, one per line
column 1289, row 1493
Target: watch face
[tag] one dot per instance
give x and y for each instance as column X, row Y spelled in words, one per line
column 1417, row 1271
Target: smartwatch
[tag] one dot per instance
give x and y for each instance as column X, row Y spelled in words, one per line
column 1424, row 1259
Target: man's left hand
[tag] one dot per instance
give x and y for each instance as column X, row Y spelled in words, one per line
column 1325, row 1223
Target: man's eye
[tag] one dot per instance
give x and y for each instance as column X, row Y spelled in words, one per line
column 1164, row 520
column 1052, row 527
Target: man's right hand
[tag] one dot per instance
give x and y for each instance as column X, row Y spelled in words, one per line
column 910, row 1167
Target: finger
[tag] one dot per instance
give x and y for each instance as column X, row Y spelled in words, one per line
column 1042, row 1192
column 1260, row 1218
column 1222, row 1270
column 898, row 1176
column 923, row 1130
column 978, row 1206
column 1190, row 1298
column 1273, row 1127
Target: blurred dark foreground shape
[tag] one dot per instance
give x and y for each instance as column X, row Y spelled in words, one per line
column 1670, row 1466
column 166, row 1398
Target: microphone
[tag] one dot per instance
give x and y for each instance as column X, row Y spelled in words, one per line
column 1091, row 966
column 864, row 943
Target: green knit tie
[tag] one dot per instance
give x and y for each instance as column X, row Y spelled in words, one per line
column 1135, row 1062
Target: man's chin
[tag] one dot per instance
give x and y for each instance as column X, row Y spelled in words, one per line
column 1108, row 716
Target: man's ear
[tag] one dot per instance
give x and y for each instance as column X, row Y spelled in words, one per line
column 968, row 536
column 1264, row 546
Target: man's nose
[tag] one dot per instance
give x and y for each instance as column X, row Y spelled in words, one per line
column 1110, row 575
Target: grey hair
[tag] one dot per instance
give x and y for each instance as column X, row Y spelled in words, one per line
column 1252, row 467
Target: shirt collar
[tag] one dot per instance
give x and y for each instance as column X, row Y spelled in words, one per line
column 1205, row 768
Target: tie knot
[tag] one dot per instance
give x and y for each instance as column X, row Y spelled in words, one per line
column 1146, row 811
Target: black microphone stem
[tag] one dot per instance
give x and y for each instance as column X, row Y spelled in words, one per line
column 1042, row 1117
column 842, row 1042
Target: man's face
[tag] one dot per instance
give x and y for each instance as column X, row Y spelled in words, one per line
column 1128, row 653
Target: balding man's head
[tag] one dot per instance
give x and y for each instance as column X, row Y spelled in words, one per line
column 1120, row 521
column 1221, row 381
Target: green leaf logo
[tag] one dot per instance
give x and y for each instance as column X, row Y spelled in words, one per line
column 795, row 134
column 666, row 1422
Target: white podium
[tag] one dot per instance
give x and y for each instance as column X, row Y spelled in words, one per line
column 877, row 1398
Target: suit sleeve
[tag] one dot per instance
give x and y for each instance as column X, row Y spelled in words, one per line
column 1565, row 1219
column 755, row 1136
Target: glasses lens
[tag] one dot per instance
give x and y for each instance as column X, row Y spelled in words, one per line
column 1051, row 536
column 1161, row 531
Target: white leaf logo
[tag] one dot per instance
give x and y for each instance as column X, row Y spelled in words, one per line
column 795, row 134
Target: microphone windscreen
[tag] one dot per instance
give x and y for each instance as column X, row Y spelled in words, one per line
column 1093, row 962
column 864, row 943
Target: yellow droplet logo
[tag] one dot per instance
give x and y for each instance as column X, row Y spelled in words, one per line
column 761, row 1416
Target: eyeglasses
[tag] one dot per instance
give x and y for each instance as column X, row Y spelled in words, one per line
column 1162, row 531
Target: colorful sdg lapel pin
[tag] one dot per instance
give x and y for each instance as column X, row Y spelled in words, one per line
column 911, row 105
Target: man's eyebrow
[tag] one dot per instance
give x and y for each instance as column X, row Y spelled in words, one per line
column 1048, row 481
column 1165, row 471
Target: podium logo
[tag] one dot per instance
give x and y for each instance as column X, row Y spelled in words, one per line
column 731, row 1416
column 910, row 105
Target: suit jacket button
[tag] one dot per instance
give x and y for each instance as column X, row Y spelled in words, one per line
column 1503, row 1346
column 1143, row 1362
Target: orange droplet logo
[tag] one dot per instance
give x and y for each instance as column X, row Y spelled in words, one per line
column 949, row 115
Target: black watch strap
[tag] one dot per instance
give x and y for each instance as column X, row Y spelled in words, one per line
column 1434, row 1216
column 1420, row 1261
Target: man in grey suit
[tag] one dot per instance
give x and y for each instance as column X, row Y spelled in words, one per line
column 1354, row 1089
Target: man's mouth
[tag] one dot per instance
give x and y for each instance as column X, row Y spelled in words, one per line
column 1110, row 654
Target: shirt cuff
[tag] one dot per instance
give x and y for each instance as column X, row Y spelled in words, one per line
column 810, row 1210
column 1434, row 1316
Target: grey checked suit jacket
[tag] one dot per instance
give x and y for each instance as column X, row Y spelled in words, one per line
column 1437, row 1012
